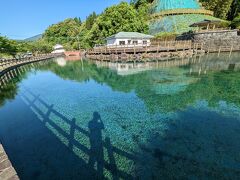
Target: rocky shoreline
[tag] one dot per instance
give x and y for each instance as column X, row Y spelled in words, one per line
column 145, row 56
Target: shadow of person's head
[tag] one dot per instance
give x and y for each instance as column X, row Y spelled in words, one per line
column 96, row 122
column 96, row 116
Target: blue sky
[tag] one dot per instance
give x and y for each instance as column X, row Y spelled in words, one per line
column 20, row 19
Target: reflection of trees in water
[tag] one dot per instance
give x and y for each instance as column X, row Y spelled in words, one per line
column 9, row 84
column 181, row 88
column 213, row 87
column 9, row 81
column 9, row 91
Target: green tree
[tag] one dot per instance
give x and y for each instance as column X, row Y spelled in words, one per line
column 121, row 17
column 78, row 20
column 236, row 22
column 235, row 9
column 90, row 20
column 7, row 46
column 65, row 32
column 138, row 3
column 221, row 8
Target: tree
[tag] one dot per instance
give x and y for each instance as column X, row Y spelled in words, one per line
column 65, row 32
column 223, row 9
column 78, row 20
column 236, row 22
column 138, row 3
column 90, row 20
column 7, row 46
column 121, row 17
column 235, row 9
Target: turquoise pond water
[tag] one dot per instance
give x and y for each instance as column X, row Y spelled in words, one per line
column 177, row 119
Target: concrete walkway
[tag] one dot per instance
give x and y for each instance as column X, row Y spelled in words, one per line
column 7, row 172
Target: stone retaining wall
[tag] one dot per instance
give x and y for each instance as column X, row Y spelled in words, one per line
column 214, row 40
column 143, row 56
column 7, row 172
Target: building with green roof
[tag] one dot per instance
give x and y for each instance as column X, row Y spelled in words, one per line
column 177, row 15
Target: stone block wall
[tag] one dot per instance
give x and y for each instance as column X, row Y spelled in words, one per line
column 7, row 172
column 215, row 39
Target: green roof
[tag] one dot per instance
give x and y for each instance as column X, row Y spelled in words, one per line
column 130, row 35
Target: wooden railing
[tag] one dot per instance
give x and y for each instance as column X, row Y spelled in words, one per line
column 7, row 64
column 141, row 48
column 211, row 30
column 220, row 49
column 181, row 11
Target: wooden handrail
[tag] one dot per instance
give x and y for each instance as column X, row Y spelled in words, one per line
column 161, row 43
column 6, row 64
column 181, row 11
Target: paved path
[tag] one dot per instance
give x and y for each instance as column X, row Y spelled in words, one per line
column 7, row 172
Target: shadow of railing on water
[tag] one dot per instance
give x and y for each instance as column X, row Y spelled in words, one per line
column 95, row 152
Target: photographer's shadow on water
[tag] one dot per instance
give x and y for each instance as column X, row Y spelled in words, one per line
column 47, row 157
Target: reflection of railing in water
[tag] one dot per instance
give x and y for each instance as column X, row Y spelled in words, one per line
column 202, row 65
column 110, row 166
column 17, row 71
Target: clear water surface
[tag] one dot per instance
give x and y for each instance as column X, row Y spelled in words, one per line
column 178, row 119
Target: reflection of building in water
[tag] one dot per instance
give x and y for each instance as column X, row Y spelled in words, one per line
column 123, row 68
column 129, row 68
column 61, row 61
column 200, row 64
column 163, row 81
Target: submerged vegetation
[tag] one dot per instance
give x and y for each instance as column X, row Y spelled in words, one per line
column 159, row 89
column 151, row 122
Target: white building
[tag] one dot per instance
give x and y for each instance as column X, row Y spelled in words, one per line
column 58, row 49
column 129, row 39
